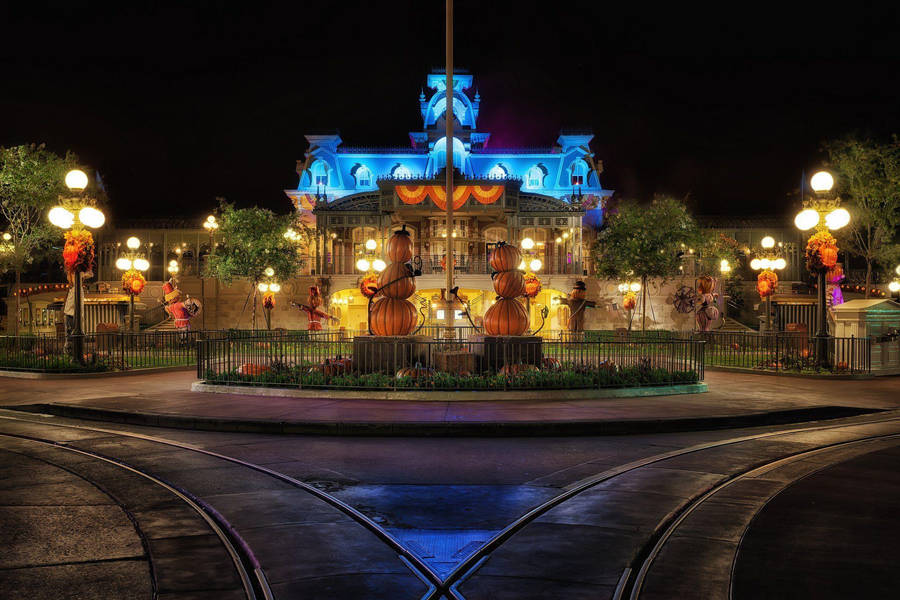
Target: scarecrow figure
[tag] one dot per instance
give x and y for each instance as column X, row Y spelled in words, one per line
column 577, row 302
column 181, row 310
column 311, row 308
column 707, row 311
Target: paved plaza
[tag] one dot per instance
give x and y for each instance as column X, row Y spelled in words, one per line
column 799, row 509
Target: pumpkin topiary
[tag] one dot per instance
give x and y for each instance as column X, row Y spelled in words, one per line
column 399, row 246
column 505, row 257
column 506, row 317
column 396, row 281
column 393, row 316
column 509, row 284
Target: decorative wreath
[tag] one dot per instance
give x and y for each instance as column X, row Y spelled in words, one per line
column 532, row 285
column 766, row 283
column 629, row 301
column 684, row 299
column 821, row 252
column 133, row 282
column 78, row 252
column 368, row 285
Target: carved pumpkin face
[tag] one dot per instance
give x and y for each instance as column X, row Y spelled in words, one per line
column 505, row 257
column 506, row 317
column 399, row 246
column 393, row 316
column 397, row 281
column 509, row 284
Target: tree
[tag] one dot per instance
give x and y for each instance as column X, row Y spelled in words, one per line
column 253, row 240
column 641, row 241
column 31, row 181
column 868, row 178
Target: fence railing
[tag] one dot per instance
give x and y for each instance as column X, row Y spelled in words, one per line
column 791, row 352
column 391, row 364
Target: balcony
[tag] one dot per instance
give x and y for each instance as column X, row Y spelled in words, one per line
column 464, row 265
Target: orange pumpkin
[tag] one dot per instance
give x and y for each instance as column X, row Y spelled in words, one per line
column 505, row 257
column 397, row 281
column 515, row 369
column 829, row 256
column 399, row 246
column 578, row 292
column 550, row 363
column 416, row 372
column 393, row 316
column 509, row 284
column 506, row 317
column 253, row 369
column 337, row 366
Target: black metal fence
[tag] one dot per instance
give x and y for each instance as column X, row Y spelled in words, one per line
column 378, row 363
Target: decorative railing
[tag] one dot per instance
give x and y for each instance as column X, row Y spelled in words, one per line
column 451, row 365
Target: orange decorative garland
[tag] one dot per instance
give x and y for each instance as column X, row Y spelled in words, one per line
column 629, row 301
column 532, row 285
column 78, row 252
column 821, row 252
column 133, row 282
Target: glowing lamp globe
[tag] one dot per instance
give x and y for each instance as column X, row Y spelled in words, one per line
column 274, row 287
column 210, row 219
column 635, row 287
column 623, row 287
column 806, row 219
column 76, row 180
column 91, row 217
column 897, row 270
column 535, row 265
column 527, row 243
column 263, row 287
column 379, row 265
column 362, row 264
column 779, row 263
column 894, row 286
column 724, row 266
column 123, row 264
column 559, row 240
column 60, row 217
column 821, row 182
column 133, row 243
column 141, row 264
column 371, row 244
column 756, row 264
column 767, row 242
column 837, row 218
column 7, row 236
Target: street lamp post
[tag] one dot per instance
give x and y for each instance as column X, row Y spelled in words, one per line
column 76, row 212
column 822, row 211
column 269, row 288
column 132, row 260
column 210, row 225
column 769, row 262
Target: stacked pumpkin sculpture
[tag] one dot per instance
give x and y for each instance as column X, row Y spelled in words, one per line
column 507, row 316
column 394, row 314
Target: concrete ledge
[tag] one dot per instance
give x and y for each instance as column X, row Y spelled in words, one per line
column 448, row 428
column 420, row 395
column 129, row 372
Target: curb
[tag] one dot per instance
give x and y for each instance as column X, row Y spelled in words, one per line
column 747, row 371
column 128, row 373
column 449, row 428
column 424, row 395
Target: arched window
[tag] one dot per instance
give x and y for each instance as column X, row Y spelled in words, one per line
column 579, row 172
column 363, row 176
column 498, row 172
column 401, row 172
column 319, row 173
column 534, row 178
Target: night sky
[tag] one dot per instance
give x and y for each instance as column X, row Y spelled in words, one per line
column 725, row 104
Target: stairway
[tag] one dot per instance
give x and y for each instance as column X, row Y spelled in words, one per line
column 167, row 324
column 730, row 324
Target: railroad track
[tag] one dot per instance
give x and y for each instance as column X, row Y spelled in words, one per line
column 447, row 587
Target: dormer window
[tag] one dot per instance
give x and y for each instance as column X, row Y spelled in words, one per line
column 320, row 173
column 402, row 172
column 579, row 172
column 498, row 172
column 363, row 176
column 534, row 178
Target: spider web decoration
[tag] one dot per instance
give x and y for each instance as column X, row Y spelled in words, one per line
column 684, row 300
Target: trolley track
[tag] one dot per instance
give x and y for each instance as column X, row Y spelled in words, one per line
column 448, row 587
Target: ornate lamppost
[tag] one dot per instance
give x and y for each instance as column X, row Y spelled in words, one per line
column 210, row 225
column 132, row 264
column 269, row 288
column 822, row 210
column 894, row 286
column 767, row 280
column 74, row 213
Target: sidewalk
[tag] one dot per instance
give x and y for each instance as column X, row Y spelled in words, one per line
column 733, row 400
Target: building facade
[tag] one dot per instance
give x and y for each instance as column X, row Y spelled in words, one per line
column 354, row 198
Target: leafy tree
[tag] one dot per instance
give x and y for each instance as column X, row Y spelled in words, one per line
column 253, row 240
column 31, row 181
column 640, row 241
column 868, row 178
column 716, row 247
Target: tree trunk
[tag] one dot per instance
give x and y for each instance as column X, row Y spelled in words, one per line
column 644, row 302
column 253, row 310
column 868, row 276
column 18, row 298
